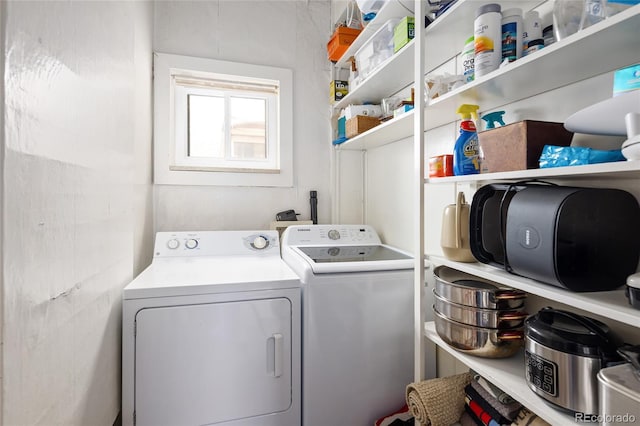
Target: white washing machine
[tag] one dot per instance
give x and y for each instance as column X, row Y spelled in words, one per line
column 357, row 323
column 211, row 333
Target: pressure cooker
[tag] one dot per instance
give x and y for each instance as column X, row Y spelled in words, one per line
column 564, row 352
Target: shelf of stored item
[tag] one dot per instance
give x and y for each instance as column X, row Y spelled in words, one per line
column 397, row 128
column 458, row 20
column 391, row 76
column 507, row 374
column 615, row 170
column 611, row 304
column 390, row 10
column 603, row 47
column 559, row 64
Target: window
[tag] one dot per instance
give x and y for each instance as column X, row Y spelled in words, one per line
column 221, row 123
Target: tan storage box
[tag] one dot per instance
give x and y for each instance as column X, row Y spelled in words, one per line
column 360, row 124
column 518, row 146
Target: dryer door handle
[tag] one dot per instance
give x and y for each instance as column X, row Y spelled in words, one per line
column 277, row 354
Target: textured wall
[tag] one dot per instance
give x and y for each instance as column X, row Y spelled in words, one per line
column 287, row 34
column 77, row 200
column 2, row 245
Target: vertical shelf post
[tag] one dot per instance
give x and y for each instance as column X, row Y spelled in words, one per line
column 420, row 362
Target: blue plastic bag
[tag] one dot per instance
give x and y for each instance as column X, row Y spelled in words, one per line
column 560, row 156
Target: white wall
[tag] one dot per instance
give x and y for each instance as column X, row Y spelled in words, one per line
column 2, row 145
column 287, row 34
column 76, row 205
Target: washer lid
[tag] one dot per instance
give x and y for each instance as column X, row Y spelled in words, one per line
column 352, row 254
column 337, row 259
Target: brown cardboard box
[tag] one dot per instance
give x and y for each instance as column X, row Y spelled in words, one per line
column 360, row 124
column 518, row 146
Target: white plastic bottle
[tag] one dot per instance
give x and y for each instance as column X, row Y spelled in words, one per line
column 512, row 34
column 532, row 29
column 466, row 60
column 487, row 39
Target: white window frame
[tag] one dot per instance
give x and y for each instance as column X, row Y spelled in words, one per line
column 171, row 164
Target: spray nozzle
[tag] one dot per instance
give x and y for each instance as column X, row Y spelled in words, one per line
column 467, row 111
column 492, row 118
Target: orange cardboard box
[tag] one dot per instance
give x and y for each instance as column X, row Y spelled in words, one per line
column 340, row 42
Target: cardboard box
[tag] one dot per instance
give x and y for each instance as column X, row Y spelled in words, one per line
column 518, row 146
column 403, row 32
column 340, row 42
column 338, row 89
column 360, row 124
column 441, row 166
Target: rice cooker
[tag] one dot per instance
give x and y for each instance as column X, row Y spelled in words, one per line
column 564, row 352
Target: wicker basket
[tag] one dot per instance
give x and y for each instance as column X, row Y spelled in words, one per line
column 438, row 402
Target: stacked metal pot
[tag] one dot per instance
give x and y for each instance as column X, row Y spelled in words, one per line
column 478, row 316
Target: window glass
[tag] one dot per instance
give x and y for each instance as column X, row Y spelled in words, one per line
column 206, row 126
column 248, row 128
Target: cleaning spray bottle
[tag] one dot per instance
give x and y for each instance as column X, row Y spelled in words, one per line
column 466, row 152
column 492, row 118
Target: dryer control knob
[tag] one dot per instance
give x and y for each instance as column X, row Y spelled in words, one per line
column 191, row 243
column 260, row 242
column 173, row 244
column 334, row 234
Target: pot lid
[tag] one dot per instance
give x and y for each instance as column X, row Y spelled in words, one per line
column 571, row 333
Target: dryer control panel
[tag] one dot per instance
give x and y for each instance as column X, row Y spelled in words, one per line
column 217, row 243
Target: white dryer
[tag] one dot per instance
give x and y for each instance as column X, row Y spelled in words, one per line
column 211, row 333
column 357, row 324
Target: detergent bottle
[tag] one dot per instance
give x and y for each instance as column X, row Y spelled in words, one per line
column 466, row 153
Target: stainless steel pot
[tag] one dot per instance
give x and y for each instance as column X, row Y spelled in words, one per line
column 564, row 352
column 465, row 289
column 488, row 318
column 478, row 341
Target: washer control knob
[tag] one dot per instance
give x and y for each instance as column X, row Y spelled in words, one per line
column 173, row 244
column 334, row 234
column 191, row 243
column 260, row 242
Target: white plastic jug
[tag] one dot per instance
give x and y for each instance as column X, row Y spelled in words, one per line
column 455, row 231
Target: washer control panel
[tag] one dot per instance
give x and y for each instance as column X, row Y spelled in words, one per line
column 216, row 243
column 330, row 235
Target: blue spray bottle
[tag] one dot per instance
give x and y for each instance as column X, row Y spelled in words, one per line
column 492, row 118
column 466, row 152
